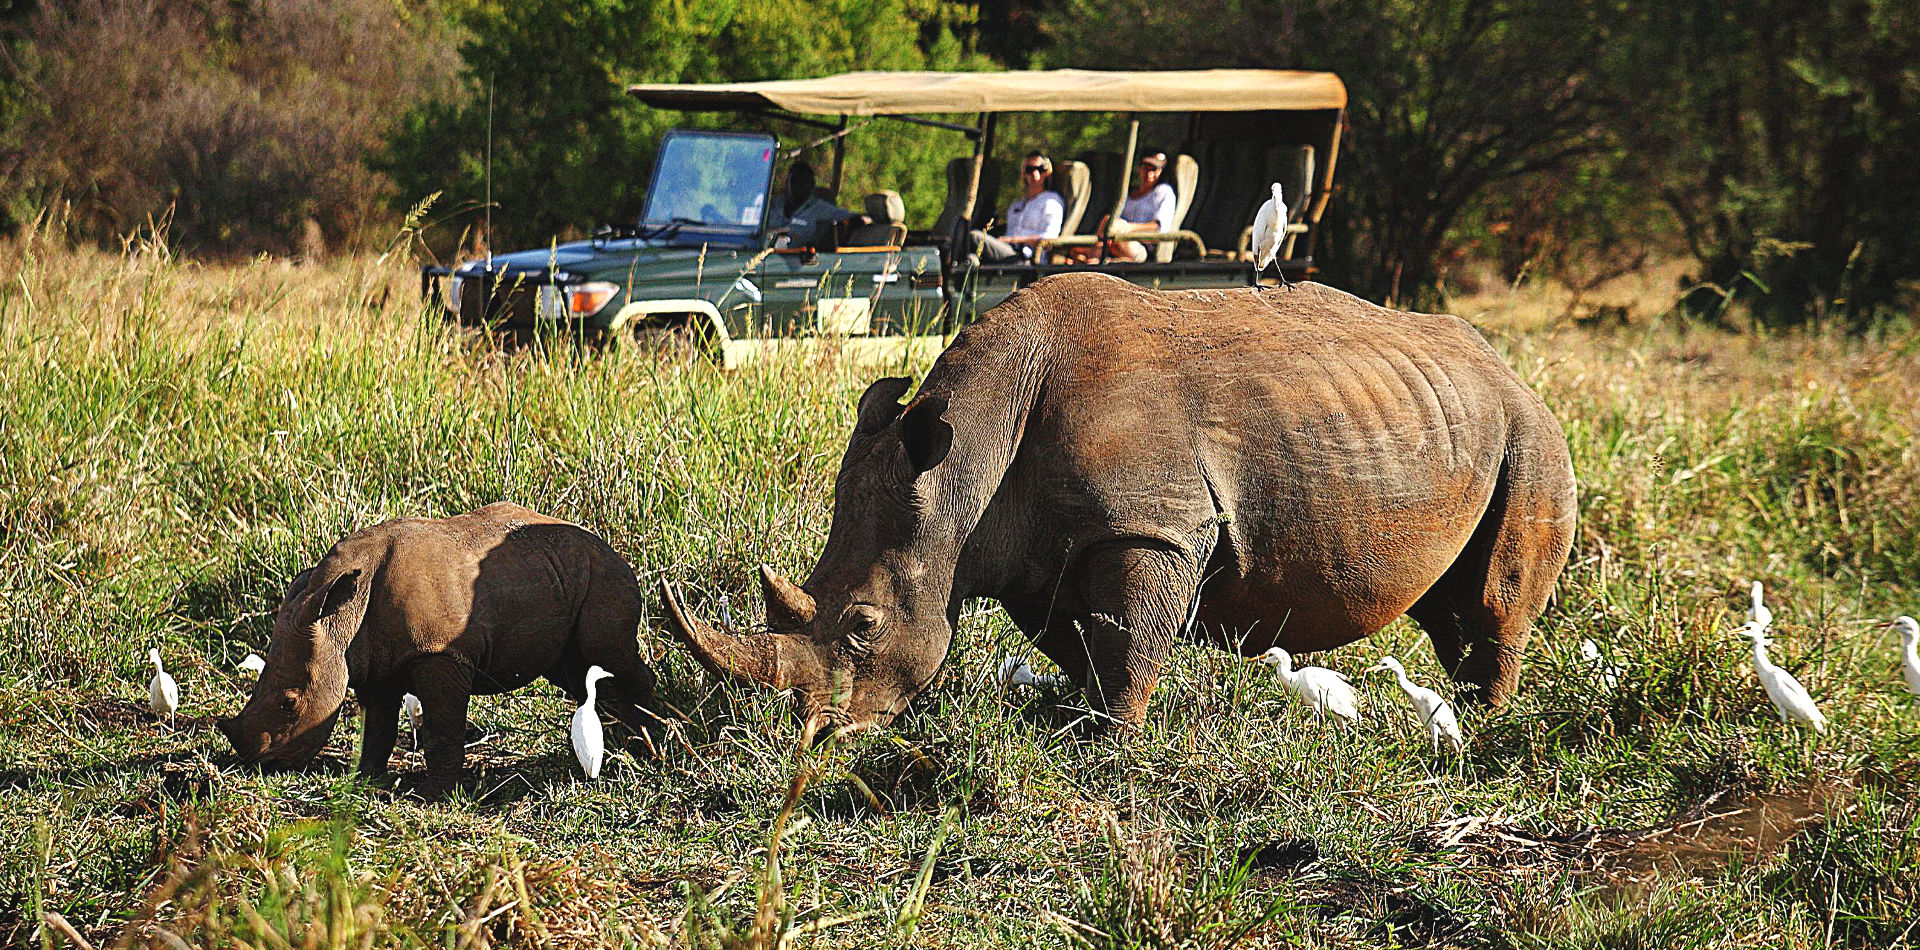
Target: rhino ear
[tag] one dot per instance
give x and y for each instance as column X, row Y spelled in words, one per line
column 880, row 404
column 339, row 593
column 788, row 607
column 928, row 437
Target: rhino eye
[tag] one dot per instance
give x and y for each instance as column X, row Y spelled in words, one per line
column 861, row 620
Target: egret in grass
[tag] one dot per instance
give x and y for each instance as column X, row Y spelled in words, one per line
column 1910, row 650
column 1269, row 230
column 1435, row 713
column 163, row 694
column 1758, row 613
column 1325, row 691
column 254, row 664
column 411, row 704
column 1015, row 671
column 589, row 745
column 1789, row 698
column 1609, row 671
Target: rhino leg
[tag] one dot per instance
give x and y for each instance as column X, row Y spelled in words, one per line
column 1137, row 595
column 1480, row 612
column 444, row 685
column 381, row 729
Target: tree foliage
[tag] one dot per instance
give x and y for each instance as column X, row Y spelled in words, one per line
column 1445, row 99
column 246, row 122
column 1782, row 135
column 570, row 149
column 1770, row 139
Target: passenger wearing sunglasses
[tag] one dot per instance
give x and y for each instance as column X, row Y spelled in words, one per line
column 1033, row 217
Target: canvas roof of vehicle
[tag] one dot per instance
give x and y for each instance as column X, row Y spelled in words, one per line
column 1054, row 90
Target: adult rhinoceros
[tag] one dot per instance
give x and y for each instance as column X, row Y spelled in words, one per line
column 1118, row 466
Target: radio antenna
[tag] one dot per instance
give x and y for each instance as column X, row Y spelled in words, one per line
column 489, row 171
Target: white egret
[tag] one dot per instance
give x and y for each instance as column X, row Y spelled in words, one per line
column 1269, row 230
column 1435, row 712
column 1014, row 671
column 411, row 704
column 1910, row 642
column 1610, row 672
column 1789, row 698
column 1758, row 613
column 1325, row 691
column 163, row 695
column 254, row 664
column 589, row 746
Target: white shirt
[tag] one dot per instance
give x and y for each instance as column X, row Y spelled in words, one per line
column 1038, row 216
column 1155, row 206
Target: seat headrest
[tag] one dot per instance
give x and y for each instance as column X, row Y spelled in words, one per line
column 958, row 172
column 1185, row 178
column 1073, row 180
column 1186, row 174
column 885, row 207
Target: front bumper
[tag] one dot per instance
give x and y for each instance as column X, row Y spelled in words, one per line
column 476, row 295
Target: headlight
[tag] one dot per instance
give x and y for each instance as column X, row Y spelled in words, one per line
column 575, row 300
column 585, row 300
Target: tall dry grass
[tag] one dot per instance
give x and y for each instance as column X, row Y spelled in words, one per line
column 179, row 439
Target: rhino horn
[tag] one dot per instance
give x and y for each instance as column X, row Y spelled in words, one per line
column 754, row 658
column 787, row 605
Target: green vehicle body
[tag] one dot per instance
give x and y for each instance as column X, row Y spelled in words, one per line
column 702, row 266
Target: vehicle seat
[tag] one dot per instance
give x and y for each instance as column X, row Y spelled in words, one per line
column 1107, row 179
column 1299, row 168
column 1186, row 175
column 1293, row 167
column 1225, row 201
column 956, row 195
column 983, row 207
column 1074, row 182
column 887, row 227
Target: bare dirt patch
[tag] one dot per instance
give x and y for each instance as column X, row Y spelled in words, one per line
column 1720, row 831
column 1716, row 833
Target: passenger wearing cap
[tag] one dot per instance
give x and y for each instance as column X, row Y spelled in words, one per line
column 1149, row 207
column 1033, row 217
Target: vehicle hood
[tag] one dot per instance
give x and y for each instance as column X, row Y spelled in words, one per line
column 578, row 256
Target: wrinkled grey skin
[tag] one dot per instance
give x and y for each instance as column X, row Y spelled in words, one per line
column 483, row 602
column 1121, row 467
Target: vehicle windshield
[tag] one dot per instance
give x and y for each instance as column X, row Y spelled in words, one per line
column 712, row 179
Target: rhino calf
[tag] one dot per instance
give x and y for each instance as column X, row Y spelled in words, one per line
column 482, row 602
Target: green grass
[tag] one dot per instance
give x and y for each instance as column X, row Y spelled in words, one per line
column 177, row 441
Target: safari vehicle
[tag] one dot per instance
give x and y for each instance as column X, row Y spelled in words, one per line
column 703, row 265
